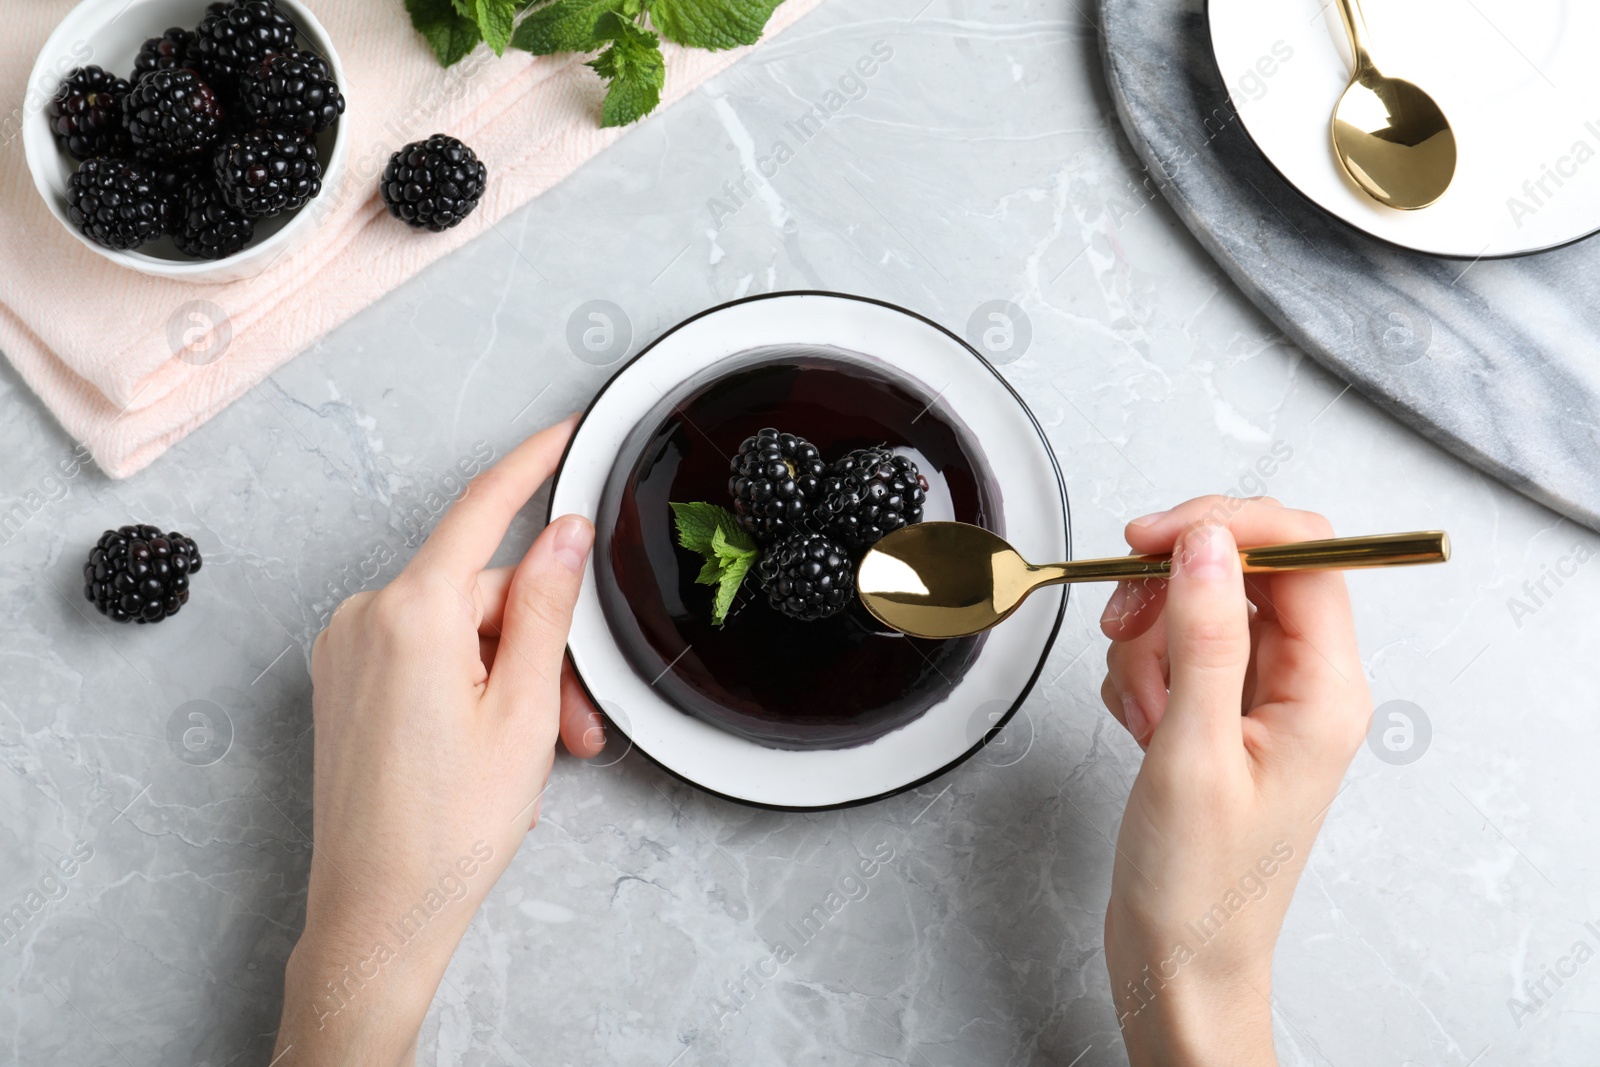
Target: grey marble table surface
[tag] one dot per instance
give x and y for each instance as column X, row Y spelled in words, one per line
column 1439, row 920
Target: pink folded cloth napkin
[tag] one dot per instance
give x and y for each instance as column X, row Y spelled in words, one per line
column 112, row 377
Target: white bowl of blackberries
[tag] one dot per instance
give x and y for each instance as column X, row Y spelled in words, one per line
column 187, row 139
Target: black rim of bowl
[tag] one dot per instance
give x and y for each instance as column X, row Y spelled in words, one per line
column 1061, row 490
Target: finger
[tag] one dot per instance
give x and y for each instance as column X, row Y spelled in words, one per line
column 1208, row 635
column 1258, row 590
column 1316, row 637
column 1313, row 606
column 493, row 585
column 1137, row 670
column 465, row 539
column 319, row 657
column 1253, row 521
column 1133, row 608
column 1113, row 702
column 538, row 615
column 544, row 787
column 582, row 729
column 1247, row 696
column 1311, row 643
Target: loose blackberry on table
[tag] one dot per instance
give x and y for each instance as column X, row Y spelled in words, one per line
column 138, row 574
column 170, row 51
column 807, row 577
column 776, row 479
column 867, row 494
column 267, row 172
column 291, row 91
column 116, row 203
column 434, row 184
column 172, row 113
column 86, row 114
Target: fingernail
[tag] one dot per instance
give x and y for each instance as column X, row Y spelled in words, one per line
column 1133, row 714
column 1207, row 554
column 1148, row 520
column 1116, row 605
column 574, row 537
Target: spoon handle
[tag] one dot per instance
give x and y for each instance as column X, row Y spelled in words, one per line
column 1337, row 553
column 1355, row 27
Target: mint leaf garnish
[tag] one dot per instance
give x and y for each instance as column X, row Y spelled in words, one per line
column 728, row 548
column 450, row 32
column 733, row 576
column 633, row 67
column 563, row 26
column 711, row 24
column 698, row 522
column 728, row 551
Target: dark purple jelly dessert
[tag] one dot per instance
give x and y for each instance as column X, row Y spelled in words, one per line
column 779, row 681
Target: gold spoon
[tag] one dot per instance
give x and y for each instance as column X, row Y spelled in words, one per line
column 949, row 579
column 1389, row 135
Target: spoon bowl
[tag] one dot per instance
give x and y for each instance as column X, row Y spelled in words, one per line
column 943, row 579
column 1394, row 141
column 1390, row 136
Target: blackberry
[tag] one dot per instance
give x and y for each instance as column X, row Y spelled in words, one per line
column 433, row 184
column 172, row 178
column 138, row 574
column 267, row 172
column 86, row 114
column 867, row 494
column 170, row 51
column 291, row 91
column 115, row 203
column 807, row 577
column 237, row 35
column 172, row 113
column 776, row 479
column 205, row 226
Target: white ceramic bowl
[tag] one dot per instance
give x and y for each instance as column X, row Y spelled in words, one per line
column 108, row 33
column 1024, row 480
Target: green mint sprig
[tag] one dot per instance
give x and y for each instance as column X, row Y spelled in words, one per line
column 728, row 548
column 626, row 34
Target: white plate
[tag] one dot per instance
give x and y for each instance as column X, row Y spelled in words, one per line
column 1517, row 79
column 1027, row 484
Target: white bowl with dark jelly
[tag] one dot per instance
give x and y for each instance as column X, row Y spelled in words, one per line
column 109, row 33
column 731, row 709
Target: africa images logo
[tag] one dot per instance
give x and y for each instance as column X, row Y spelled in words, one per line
column 199, row 333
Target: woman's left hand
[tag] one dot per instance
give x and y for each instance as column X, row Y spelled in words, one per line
column 436, row 703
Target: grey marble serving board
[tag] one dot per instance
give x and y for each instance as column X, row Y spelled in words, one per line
column 1497, row 361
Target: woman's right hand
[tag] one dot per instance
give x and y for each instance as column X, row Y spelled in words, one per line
column 1249, row 697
